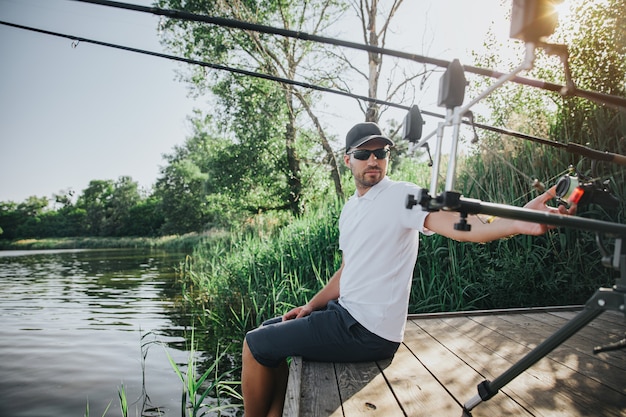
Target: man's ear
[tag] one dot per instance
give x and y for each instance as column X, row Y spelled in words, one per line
column 346, row 160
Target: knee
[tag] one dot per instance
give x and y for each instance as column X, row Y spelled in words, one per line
column 246, row 353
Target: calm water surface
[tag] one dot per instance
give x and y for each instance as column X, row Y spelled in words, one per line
column 71, row 332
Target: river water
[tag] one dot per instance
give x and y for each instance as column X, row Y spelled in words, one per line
column 72, row 327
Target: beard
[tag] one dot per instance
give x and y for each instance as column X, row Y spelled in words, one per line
column 368, row 178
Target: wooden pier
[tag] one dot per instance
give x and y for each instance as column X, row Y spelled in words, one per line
column 444, row 357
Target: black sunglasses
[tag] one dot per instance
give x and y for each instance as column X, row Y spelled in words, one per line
column 364, row 154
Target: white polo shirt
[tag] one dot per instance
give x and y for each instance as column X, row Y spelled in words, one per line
column 379, row 238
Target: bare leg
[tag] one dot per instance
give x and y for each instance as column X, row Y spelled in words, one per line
column 263, row 387
column 280, row 388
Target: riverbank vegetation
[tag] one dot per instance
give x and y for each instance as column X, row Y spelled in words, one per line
column 182, row 243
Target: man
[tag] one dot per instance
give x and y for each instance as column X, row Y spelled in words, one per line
column 360, row 314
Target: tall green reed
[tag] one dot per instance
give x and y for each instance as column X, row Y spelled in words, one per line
column 121, row 393
column 87, row 412
column 197, row 387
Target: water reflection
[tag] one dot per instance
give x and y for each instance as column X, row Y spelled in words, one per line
column 72, row 323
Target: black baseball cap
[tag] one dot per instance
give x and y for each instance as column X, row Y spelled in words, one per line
column 364, row 132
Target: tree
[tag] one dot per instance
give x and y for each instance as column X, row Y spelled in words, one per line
column 181, row 186
column 31, row 212
column 70, row 219
column 145, row 218
column 596, row 39
column 33, row 206
column 64, row 198
column 95, row 201
column 124, row 197
column 277, row 56
column 183, row 198
column 73, row 221
column 254, row 170
column 369, row 12
column 10, row 219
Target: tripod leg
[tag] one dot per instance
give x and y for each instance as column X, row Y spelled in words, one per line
column 488, row 389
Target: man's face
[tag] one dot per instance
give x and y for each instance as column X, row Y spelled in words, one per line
column 371, row 171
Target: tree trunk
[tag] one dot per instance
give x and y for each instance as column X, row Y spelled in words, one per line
column 295, row 176
column 374, row 61
column 330, row 155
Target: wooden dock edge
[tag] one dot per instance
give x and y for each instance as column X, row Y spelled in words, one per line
column 294, row 387
column 501, row 311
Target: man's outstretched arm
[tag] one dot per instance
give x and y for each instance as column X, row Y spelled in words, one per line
column 442, row 222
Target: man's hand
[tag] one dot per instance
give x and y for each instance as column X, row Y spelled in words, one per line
column 297, row 312
column 539, row 203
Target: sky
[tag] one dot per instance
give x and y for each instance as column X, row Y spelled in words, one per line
column 72, row 113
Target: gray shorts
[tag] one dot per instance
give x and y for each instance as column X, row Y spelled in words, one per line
column 328, row 335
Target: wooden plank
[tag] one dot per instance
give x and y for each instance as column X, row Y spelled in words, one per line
column 459, row 378
column 320, row 394
column 613, row 317
column 605, row 321
column 534, row 329
column 589, row 337
column 495, row 311
column 538, row 387
column 418, row 393
column 609, row 316
column 532, row 394
column 294, row 387
column 558, row 380
column 364, row 391
column 607, row 368
column 601, row 331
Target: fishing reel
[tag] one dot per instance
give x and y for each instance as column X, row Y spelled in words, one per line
column 581, row 190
